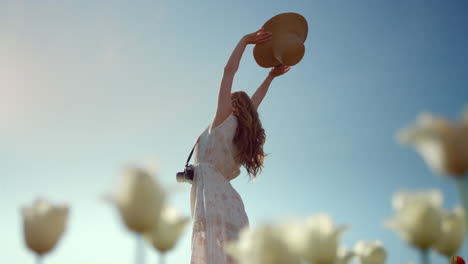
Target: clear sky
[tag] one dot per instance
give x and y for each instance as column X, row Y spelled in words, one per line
column 88, row 87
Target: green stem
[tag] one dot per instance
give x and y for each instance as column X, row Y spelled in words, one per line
column 139, row 250
column 425, row 256
column 162, row 258
column 39, row 259
column 463, row 196
column 462, row 188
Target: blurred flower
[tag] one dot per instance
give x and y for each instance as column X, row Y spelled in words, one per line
column 370, row 252
column 343, row 255
column 262, row 245
column 451, row 239
column 441, row 143
column 457, row 260
column 170, row 227
column 417, row 217
column 43, row 225
column 139, row 199
column 316, row 239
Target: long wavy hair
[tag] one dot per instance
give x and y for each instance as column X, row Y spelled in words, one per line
column 250, row 135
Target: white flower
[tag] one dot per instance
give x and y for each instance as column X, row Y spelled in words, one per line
column 417, row 217
column 316, row 240
column 170, row 227
column 139, row 199
column 453, row 230
column 262, row 245
column 370, row 252
column 343, row 255
column 442, row 144
column 43, row 225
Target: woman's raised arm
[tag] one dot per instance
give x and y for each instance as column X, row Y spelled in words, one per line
column 262, row 90
column 224, row 107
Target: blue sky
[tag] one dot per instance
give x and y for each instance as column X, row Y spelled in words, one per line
column 88, row 87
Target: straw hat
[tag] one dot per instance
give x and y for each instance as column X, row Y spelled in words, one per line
column 287, row 43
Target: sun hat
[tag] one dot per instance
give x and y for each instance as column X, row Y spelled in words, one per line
column 289, row 31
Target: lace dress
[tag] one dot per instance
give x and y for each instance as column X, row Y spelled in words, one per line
column 217, row 209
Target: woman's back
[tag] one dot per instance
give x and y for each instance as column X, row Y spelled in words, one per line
column 217, row 209
column 215, row 147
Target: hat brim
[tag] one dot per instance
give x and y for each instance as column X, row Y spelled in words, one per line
column 278, row 25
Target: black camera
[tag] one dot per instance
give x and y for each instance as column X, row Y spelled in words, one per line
column 186, row 175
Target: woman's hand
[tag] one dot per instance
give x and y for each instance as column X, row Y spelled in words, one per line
column 260, row 36
column 279, row 70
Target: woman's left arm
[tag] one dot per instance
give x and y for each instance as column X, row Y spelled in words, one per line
column 262, row 90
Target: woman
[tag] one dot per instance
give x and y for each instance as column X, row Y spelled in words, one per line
column 234, row 138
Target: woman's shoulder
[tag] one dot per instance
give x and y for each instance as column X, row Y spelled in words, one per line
column 230, row 119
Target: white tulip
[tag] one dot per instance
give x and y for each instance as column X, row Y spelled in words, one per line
column 344, row 256
column 370, row 252
column 170, row 227
column 417, row 217
column 453, row 230
column 43, row 225
column 441, row 143
column 262, row 245
column 316, row 239
column 139, row 199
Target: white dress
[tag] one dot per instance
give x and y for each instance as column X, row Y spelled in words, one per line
column 217, row 209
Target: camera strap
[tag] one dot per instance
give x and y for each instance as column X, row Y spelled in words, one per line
column 190, row 156
column 191, row 152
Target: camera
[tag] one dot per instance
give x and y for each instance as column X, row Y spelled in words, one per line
column 186, row 175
